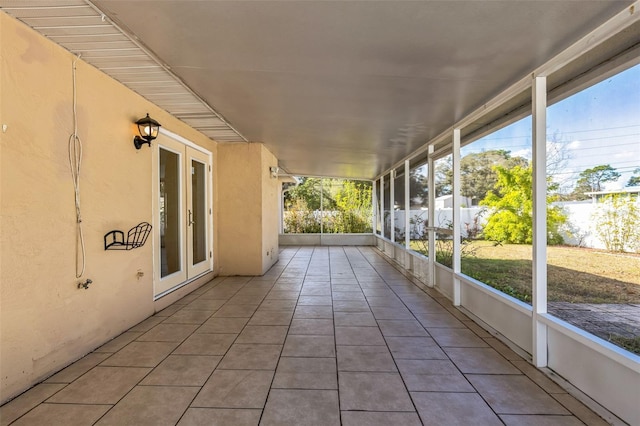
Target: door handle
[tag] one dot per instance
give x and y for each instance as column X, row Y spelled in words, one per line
column 191, row 221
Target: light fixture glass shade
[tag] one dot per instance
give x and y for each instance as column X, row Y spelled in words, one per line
column 148, row 128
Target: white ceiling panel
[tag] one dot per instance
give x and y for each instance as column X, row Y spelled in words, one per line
column 333, row 88
column 84, row 30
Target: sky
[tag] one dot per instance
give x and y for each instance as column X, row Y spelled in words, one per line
column 597, row 126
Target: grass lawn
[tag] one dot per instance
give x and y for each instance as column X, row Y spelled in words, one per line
column 577, row 275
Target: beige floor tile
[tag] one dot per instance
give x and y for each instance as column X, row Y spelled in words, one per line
column 169, row 310
column 378, row 292
column 515, row 395
column 480, row 361
column 453, row 409
column 373, row 392
column 391, row 313
column 251, row 357
column 223, row 326
column 309, row 346
column 427, row 367
column 220, row 416
column 147, row 324
column 402, row 328
column 274, row 334
column 245, row 299
column 189, row 316
column 385, row 301
column 287, row 286
column 150, row 405
column 235, row 389
column 311, row 326
column 456, row 337
column 314, row 300
column 278, row 305
column 306, row 373
column 349, row 336
column 202, row 304
column 114, row 345
column 168, row 333
column 479, row 331
column 313, row 312
column 316, row 290
column 537, row 376
column 140, row 354
column 365, row 358
column 369, row 418
column 271, row 318
column 236, row 311
column 78, row 368
column 454, row 382
column 206, row 344
column 347, row 295
column 182, row 370
column 351, row 306
column 414, row 348
column 503, row 349
column 27, row 401
column 528, row 420
column 445, row 320
column 354, row 319
column 301, row 407
column 63, row 415
column 291, row 295
column 101, row 385
column 579, row 409
column 187, row 299
column 346, row 287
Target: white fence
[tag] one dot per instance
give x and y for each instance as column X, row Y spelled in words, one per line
column 579, row 229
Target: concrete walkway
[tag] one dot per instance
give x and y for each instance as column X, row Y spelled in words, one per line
column 602, row 320
column 328, row 336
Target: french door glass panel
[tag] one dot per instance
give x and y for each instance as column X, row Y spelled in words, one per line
column 170, row 206
column 198, row 212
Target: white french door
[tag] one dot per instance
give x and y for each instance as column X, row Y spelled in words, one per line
column 182, row 179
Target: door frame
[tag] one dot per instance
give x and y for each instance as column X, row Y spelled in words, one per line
column 155, row 210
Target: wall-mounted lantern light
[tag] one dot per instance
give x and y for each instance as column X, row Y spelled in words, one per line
column 148, row 129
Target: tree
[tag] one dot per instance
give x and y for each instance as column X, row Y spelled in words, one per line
column 418, row 188
column 635, row 179
column 617, row 223
column 591, row 180
column 477, row 174
column 444, row 176
column 353, row 208
column 309, row 191
column 511, row 209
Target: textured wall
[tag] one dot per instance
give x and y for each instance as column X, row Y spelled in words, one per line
column 248, row 209
column 45, row 320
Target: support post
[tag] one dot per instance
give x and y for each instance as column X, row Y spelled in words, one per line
column 374, row 206
column 392, row 205
column 382, row 206
column 431, row 216
column 407, row 205
column 456, row 218
column 539, row 178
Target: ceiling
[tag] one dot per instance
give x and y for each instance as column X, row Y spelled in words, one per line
column 332, row 88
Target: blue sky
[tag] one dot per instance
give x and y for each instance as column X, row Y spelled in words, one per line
column 599, row 125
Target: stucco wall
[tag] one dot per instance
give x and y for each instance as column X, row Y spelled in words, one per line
column 270, row 211
column 46, row 321
column 248, row 216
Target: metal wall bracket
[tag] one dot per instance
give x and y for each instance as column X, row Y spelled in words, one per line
column 136, row 237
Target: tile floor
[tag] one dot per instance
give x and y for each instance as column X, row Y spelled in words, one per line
column 329, row 336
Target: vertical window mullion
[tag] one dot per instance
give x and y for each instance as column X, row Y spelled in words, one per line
column 539, row 178
column 456, row 217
